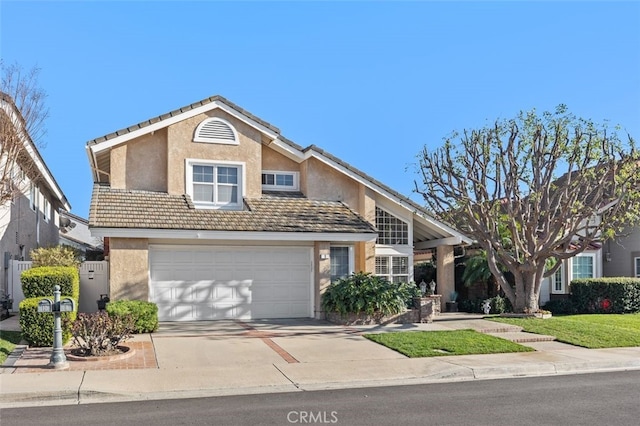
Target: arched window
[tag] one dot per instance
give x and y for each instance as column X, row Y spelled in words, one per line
column 216, row 130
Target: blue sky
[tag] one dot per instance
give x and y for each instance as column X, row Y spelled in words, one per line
column 370, row 82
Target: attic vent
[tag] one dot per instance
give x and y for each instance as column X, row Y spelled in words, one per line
column 216, row 130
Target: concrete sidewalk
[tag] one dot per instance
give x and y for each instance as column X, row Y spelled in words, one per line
column 227, row 358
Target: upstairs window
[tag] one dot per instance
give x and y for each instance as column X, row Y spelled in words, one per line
column 391, row 230
column 214, row 185
column 280, row 181
column 216, row 130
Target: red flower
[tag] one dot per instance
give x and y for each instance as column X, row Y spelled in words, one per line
column 606, row 304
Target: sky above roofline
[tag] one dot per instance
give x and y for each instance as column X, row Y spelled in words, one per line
column 369, row 82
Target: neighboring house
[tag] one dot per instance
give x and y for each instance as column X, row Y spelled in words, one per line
column 31, row 218
column 209, row 212
column 74, row 232
column 622, row 255
column 588, row 264
column 614, row 258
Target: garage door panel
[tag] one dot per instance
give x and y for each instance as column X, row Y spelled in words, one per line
column 162, row 293
column 207, row 283
column 162, row 273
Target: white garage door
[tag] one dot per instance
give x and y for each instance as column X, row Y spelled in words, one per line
column 206, row 283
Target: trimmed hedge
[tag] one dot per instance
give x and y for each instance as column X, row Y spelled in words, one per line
column 144, row 313
column 614, row 295
column 39, row 281
column 560, row 307
column 37, row 327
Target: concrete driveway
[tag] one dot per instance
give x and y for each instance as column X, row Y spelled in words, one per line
column 226, row 343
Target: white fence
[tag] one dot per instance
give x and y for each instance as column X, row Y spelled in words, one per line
column 94, row 281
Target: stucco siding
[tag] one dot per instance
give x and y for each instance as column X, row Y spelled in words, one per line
column 321, row 182
column 322, row 275
column 141, row 163
column 129, row 274
column 181, row 147
column 272, row 160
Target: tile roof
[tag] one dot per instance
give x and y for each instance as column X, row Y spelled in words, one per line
column 211, row 99
column 217, row 98
column 274, row 212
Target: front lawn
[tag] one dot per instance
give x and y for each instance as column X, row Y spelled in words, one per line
column 593, row 331
column 8, row 341
column 416, row 344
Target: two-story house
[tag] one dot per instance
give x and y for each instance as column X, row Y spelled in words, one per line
column 210, row 212
column 30, row 218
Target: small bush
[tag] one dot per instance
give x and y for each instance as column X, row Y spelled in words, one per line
column 614, row 295
column 145, row 314
column 99, row 334
column 39, row 281
column 365, row 293
column 37, row 327
column 55, row 256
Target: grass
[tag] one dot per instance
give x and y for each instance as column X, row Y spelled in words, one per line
column 417, row 344
column 8, row 341
column 594, row 331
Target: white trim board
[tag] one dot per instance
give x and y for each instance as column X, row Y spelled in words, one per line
column 231, row 235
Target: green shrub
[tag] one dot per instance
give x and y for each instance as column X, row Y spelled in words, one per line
column 560, row 306
column 55, row 256
column 615, row 295
column 99, row 334
column 470, row 305
column 37, row 327
column 369, row 294
column 39, row 281
column 145, row 314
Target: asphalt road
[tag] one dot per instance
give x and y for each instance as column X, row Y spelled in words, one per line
column 590, row 399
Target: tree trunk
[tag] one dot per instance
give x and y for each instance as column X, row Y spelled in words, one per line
column 527, row 292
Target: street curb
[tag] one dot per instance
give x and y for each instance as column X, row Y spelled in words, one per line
column 26, row 399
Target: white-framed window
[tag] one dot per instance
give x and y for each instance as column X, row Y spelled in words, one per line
column 393, row 268
column 557, row 281
column 280, row 181
column 583, row 266
column 216, row 130
column 636, row 262
column 46, row 207
column 341, row 260
column 215, row 185
column 391, row 230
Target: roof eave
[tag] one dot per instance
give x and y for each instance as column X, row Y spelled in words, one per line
column 232, row 235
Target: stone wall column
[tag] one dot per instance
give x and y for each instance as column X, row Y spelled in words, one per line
column 445, row 272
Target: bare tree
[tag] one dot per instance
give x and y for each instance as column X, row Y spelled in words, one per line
column 22, row 118
column 533, row 191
